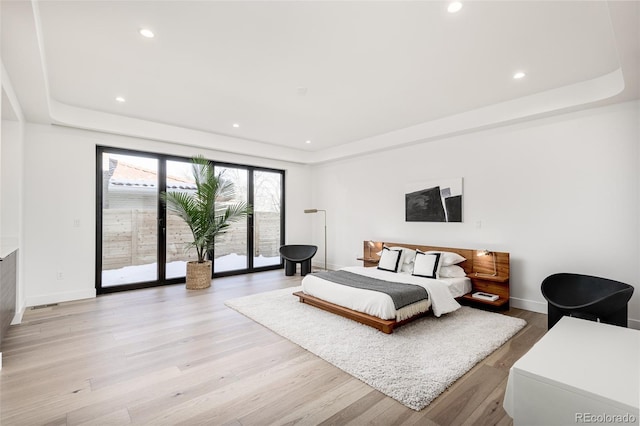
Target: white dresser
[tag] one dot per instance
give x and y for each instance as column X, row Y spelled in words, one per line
column 580, row 372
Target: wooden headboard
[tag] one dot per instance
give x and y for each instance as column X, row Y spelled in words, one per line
column 474, row 263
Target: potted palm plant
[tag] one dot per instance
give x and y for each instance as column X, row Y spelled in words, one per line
column 207, row 216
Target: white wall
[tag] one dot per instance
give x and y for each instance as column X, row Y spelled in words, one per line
column 11, row 144
column 59, row 189
column 560, row 194
column 11, row 179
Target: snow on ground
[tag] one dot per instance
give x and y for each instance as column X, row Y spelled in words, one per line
column 148, row 272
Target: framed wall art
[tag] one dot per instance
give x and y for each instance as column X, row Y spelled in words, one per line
column 435, row 201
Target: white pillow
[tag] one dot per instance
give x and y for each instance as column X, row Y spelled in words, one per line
column 406, row 267
column 389, row 259
column 452, row 271
column 407, row 255
column 426, row 265
column 449, row 258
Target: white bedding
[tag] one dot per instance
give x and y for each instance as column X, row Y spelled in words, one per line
column 441, row 293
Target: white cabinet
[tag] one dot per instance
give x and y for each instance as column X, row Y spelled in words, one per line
column 579, row 372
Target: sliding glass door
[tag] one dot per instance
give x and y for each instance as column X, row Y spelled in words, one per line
column 231, row 251
column 129, row 219
column 138, row 244
column 267, row 217
column 179, row 178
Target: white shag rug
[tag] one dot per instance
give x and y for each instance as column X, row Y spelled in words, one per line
column 413, row 365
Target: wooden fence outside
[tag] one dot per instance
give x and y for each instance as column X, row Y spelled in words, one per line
column 130, row 238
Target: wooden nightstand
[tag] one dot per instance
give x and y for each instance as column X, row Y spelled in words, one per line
column 369, row 263
column 488, row 284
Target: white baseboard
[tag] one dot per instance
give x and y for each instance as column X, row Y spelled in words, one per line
column 330, row 266
column 541, row 308
column 528, row 305
column 17, row 318
column 47, row 299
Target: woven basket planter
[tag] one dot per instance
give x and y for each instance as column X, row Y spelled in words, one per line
column 198, row 275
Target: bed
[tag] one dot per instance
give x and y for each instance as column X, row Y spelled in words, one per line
column 335, row 292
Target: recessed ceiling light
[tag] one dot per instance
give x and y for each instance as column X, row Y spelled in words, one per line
column 519, row 75
column 308, row 142
column 454, row 7
column 146, row 32
column 120, row 99
column 236, row 125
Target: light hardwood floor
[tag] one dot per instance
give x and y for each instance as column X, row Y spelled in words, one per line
column 171, row 356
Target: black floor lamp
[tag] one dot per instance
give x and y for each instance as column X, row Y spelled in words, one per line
column 325, row 232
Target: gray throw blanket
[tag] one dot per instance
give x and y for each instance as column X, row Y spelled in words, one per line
column 401, row 294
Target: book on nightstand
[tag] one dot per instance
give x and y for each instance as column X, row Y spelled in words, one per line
column 485, row 296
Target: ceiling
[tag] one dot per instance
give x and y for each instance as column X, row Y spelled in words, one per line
column 349, row 77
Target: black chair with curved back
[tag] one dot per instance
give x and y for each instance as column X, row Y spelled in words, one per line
column 586, row 297
column 297, row 253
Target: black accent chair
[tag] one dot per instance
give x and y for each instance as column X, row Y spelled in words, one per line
column 586, row 297
column 297, row 253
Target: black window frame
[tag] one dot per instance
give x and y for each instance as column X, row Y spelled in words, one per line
column 162, row 216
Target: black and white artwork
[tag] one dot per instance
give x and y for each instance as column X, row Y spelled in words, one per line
column 437, row 201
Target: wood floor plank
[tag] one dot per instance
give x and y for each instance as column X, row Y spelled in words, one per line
column 378, row 414
column 219, row 372
column 475, row 390
column 224, row 404
column 353, row 411
column 490, row 411
column 166, row 355
column 288, row 395
column 116, row 418
column 322, row 406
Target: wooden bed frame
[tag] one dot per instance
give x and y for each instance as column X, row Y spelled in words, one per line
column 386, row 326
column 473, row 265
